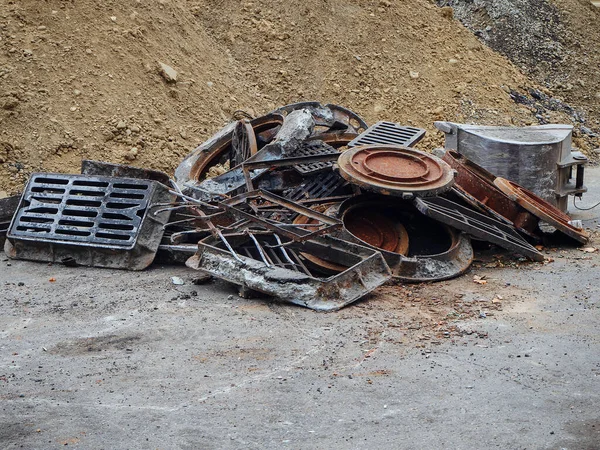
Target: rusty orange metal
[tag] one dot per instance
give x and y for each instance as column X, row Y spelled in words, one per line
column 541, row 209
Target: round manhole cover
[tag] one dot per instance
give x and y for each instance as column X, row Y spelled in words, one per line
column 395, row 170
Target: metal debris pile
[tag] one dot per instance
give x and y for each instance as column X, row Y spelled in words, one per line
column 310, row 205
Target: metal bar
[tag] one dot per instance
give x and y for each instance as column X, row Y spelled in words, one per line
column 260, row 250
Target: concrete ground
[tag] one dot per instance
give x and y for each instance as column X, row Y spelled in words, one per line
column 106, row 359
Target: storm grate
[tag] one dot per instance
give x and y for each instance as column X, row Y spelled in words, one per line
column 388, row 133
column 82, row 209
column 477, row 225
column 319, row 186
column 89, row 220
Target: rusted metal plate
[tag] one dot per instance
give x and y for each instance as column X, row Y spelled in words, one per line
column 476, row 186
column 477, row 225
column 373, row 227
column 396, row 170
column 541, row 209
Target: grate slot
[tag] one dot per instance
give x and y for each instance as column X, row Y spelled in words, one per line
column 50, row 181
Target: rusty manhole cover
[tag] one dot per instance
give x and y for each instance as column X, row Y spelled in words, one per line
column 541, row 209
column 396, row 170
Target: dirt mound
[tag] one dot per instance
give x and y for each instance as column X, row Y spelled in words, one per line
column 83, row 80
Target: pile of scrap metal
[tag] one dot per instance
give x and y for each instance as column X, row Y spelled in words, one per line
column 310, row 205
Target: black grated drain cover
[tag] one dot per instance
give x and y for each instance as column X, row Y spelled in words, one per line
column 94, row 210
column 84, row 216
column 388, row 133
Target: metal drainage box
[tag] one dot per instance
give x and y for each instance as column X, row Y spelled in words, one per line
column 88, row 220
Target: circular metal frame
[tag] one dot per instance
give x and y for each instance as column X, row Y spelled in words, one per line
column 451, row 262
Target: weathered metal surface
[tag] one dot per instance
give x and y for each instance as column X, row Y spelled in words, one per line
column 538, row 158
column 8, row 207
column 314, row 148
column 296, row 128
column 192, row 169
column 318, row 186
column 262, row 262
column 308, row 163
column 477, row 225
column 542, row 209
column 105, row 169
column 329, row 117
column 395, row 170
column 388, row 133
column 372, row 226
column 243, row 143
column 257, row 207
column 91, row 220
column 436, row 252
column 476, row 186
column 307, row 223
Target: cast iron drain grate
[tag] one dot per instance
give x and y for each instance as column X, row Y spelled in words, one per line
column 313, row 148
column 388, row 133
column 87, row 214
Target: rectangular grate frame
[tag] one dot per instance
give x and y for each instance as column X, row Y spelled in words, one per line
column 388, row 133
column 94, row 220
column 90, row 210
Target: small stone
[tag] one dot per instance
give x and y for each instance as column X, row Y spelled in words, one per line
column 453, row 61
column 10, row 103
column 135, row 128
column 73, row 108
column 76, row 92
column 88, row 51
column 413, row 74
column 121, row 125
column 210, row 84
column 131, row 154
column 177, row 281
column 113, row 18
column 385, row 3
column 168, row 73
column 378, row 108
column 41, row 28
